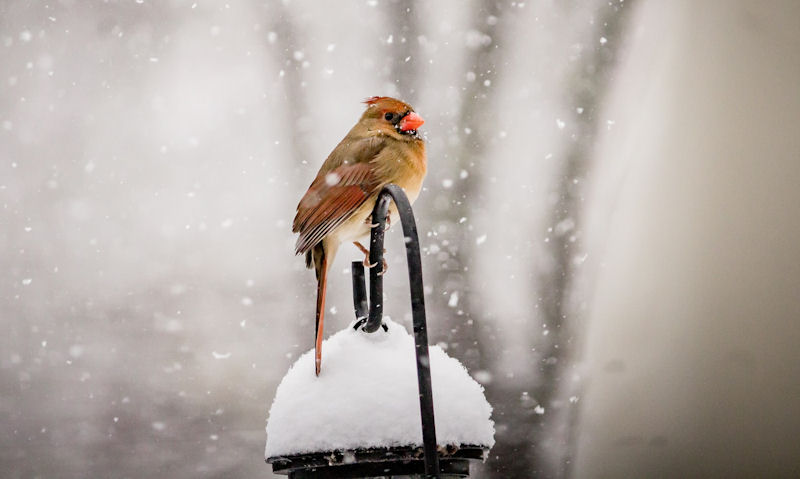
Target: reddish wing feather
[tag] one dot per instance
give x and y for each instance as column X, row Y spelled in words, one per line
column 329, row 203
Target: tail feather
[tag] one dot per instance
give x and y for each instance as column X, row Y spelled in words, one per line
column 321, row 268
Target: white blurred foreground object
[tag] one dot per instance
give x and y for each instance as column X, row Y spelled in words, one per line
column 695, row 239
column 367, row 397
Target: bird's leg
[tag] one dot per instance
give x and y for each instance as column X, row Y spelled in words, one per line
column 385, row 264
column 366, row 262
column 375, row 225
column 361, row 247
column 364, row 250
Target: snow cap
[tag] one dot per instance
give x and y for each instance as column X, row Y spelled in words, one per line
column 366, row 397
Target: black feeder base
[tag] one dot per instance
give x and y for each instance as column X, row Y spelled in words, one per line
column 396, row 462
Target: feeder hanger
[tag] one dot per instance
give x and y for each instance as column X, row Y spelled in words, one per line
column 370, row 315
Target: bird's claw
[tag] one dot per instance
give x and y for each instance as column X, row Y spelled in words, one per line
column 387, row 223
column 372, row 265
column 369, row 265
column 366, row 262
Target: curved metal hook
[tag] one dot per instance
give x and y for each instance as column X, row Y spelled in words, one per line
column 371, row 316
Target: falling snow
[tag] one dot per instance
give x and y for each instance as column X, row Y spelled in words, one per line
column 153, row 154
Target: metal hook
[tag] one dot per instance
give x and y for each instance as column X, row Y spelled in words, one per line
column 370, row 315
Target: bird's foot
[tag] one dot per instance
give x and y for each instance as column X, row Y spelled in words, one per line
column 385, row 266
column 369, row 265
column 383, row 270
column 366, row 262
column 388, row 224
column 361, row 247
column 364, row 250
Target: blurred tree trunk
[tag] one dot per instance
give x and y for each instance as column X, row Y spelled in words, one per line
column 534, row 420
column 457, row 297
column 403, row 67
column 549, row 438
column 458, row 289
column 281, row 35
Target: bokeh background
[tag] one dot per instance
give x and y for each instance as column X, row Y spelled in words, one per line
column 152, row 155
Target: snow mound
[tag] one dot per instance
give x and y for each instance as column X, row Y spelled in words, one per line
column 366, row 396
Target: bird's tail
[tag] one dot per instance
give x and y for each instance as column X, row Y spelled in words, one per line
column 321, row 268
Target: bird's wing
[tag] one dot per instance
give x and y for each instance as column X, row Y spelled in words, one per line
column 330, row 200
column 356, row 147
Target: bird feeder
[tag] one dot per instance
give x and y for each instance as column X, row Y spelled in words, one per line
column 359, row 417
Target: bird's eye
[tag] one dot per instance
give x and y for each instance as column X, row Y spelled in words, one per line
column 390, row 117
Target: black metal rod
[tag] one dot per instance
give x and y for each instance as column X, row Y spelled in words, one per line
column 375, row 315
column 376, row 259
column 359, row 291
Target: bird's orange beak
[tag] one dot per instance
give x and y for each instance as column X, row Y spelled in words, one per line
column 412, row 121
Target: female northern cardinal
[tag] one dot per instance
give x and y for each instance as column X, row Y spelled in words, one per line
column 382, row 148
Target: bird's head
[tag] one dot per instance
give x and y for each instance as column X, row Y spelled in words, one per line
column 392, row 117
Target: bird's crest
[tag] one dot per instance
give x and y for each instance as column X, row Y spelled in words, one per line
column 374, row 99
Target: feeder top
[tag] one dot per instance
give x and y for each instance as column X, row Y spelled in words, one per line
column 366, row 397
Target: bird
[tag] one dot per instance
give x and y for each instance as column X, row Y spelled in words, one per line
column 383, row 147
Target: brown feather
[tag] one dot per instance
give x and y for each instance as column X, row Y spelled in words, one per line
column 327, row 204
column 320, row 259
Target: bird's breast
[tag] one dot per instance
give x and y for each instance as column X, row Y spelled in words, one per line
column 406, row 168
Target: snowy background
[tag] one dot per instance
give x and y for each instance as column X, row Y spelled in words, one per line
column 151, row 158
